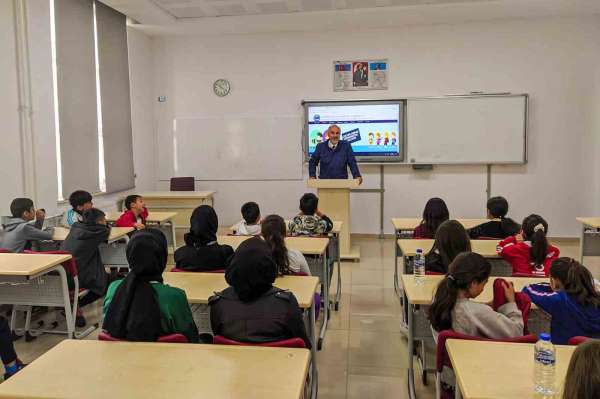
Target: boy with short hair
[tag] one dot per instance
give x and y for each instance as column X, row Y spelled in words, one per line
column 80, row 201
column 310, row 221
column 250, row 224
column 19, row 232
column 135, row 214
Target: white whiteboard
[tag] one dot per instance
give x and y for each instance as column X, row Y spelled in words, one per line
column 467, row 130
column 243, row 148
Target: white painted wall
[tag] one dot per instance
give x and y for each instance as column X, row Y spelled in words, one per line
column 10, row 150
column 551, row 59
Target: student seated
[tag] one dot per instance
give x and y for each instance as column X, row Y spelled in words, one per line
column 82, row 242
column 499, row 226
column 80, row 201
column 529, row 252
column 252, row 309
column 19, row 232
column 450, row 239
column 135, row 214
column 434, row 214
column 288, row 260
column 583, row 375
column 141, row 307
column 310, row 221
column 452, row 307
column 250, row 224
column 9, row 358
column 571, row 299
column 201, row 251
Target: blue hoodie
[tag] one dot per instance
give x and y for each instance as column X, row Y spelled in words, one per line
column 569, row 318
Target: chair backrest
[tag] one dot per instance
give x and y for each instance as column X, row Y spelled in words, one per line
column 4, row 251
column 174, row 338
column 523, row 302
column 70, row 265
column 284, row 343
column 577, row 340
column 442, row 358
column 183, row 184
column 176, row 270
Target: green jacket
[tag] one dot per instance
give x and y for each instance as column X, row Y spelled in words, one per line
column 176, row 316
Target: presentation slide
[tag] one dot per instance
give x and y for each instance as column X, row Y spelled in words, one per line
column 372, row 129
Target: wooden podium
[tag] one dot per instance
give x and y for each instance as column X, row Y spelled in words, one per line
column 334, row 201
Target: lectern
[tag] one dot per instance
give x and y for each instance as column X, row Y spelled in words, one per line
column 334, row 201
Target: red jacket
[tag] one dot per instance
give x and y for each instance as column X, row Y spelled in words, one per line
column 518, row 255
column 128, row 219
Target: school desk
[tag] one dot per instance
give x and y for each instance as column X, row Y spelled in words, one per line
column 419, row 328
column 589, row 242
column 124, row 370
column 181, row 202
column 314, row 246
column 116, row 233
column 160, row 220
column 27, row 280
column 334, row 247
column 199, row 287
column 498, row 370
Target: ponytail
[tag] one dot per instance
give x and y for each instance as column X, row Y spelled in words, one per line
column 577, row 281
column 535, row 229
column 273, row 231
column 467, row 267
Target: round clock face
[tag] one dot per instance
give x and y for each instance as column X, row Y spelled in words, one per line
column 221, row 87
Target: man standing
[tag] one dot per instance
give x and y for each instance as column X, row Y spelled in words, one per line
column 334, row 157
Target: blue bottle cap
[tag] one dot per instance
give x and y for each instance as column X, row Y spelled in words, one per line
column 419, row 251
column 545, row 337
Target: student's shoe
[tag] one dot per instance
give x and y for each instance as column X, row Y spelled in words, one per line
column 80, row 321
column 19, row 365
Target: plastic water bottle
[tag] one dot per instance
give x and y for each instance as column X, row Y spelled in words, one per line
column 544, row 364
column 419, row 267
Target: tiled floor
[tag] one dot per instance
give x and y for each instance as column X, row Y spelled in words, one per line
column 364, row 354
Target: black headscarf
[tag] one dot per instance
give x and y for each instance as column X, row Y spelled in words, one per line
column 252, row 270
column 203, row 226
column 134, row 313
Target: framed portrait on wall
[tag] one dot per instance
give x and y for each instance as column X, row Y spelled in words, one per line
column 360, row 75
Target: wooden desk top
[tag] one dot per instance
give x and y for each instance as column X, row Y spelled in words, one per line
column 423, row 294
column 177, row 194
column 306, row 245
column 60, row 233
column 28, row 264
column 486, row 248
column 590, row 221
column 412, row 223
column 337, row 227
column 200, row 286
column 508, row 375
column 153, row 217
column 124, row 370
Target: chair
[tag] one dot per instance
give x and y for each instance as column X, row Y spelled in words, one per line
column 522, row 301
column 443, row 359
column 4, row 251
column 70, row 267
column 176, row 270
column 577, row 340
column 284, row 343
column 183, row 184
column 172, row 338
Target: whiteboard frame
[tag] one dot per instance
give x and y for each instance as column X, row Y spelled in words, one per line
column 406, row 133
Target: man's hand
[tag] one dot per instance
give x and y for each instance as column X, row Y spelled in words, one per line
column 359, row 180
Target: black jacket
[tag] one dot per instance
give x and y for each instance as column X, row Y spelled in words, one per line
column 492, row 229
column 203, row 258
column 434, row 263
column 82, row 242
column 272, row 317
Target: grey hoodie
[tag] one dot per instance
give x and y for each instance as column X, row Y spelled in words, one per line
column 18, row 232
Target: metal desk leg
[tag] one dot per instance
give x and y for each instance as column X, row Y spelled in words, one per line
column 338, row 290
column 174, row 235
column 396, row 283
column 411, row 348
column 457, row 393
column 314, row 380
column 67, row 302
column 581, row 243
column 326, row 301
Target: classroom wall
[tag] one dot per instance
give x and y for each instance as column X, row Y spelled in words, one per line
column 10, row 159
column 551, row 59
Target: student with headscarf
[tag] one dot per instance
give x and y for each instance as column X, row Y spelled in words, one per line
column 140, row 307
column 252, row 309
column 201, row 251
